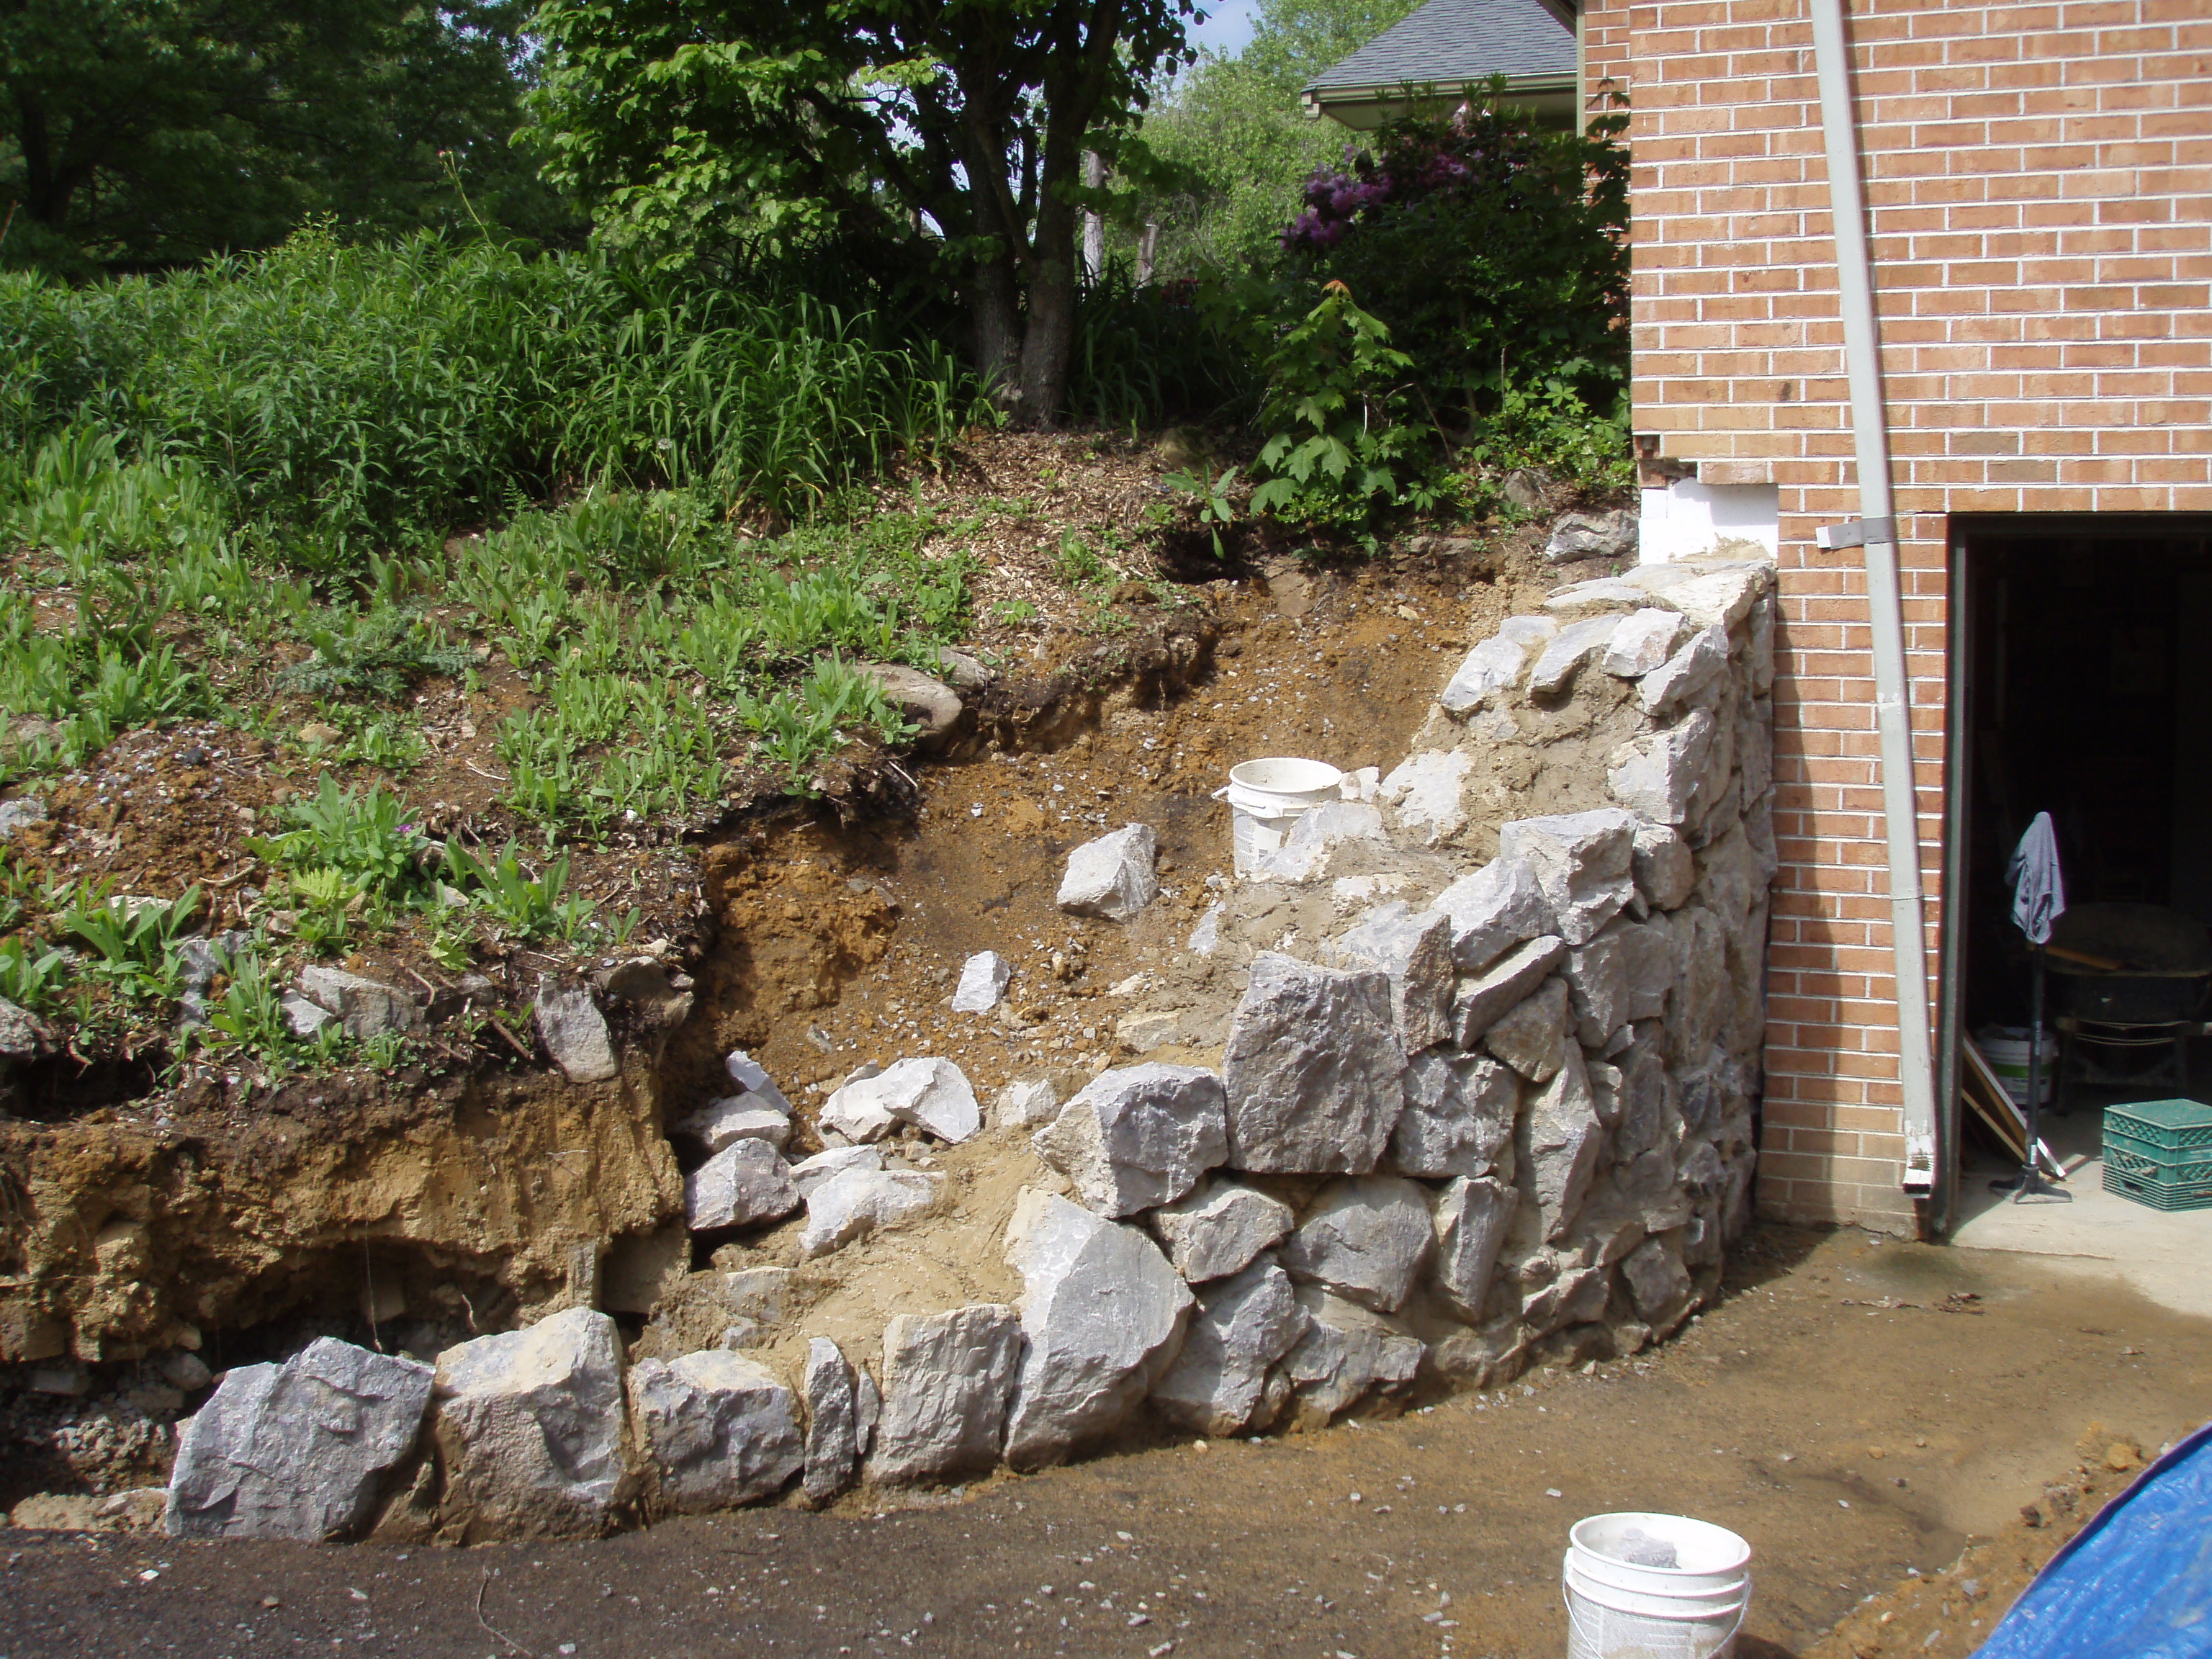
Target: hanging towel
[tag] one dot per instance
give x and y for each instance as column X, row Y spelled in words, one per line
column 2038, row 891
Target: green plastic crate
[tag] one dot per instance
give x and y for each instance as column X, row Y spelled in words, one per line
column 2158, row 1152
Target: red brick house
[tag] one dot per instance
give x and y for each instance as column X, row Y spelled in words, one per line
column 2034, row 377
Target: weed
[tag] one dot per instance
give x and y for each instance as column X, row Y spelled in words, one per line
column 30, row 973
column 526, row 907
column 367, row 840
column 136, row 941
column 380, row 652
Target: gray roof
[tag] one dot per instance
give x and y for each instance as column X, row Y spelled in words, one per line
column 1452, row 41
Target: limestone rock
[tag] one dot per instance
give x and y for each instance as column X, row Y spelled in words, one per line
column 1493, row 666
column 1565, row 1141
column 1471, row 1222
column 303, row 1017
column 1346, row 1352
column 1641, row 643
column 948, row 1379
column 1025, row 1104
column 1367, row 1237
column 1428, row 791
column 1138, row 1136
column 931, row 1094
column 297, row 1450
column 1592, row 536
column 833, row 1444
column 1722, row 594
column 1605, row 595
column 17, row 814
column 719, row 1430
column 1598, row 978
column 857, row 1202
column 1312, row 1069
column 1658, row 775
column 1689, row 671
column 1575, row 1298
column 23, row 1035
column 1415, row 949
column 1665, row 868
column 1480, row 1000
column 722, row 1123
column 751, row 1078
column 530, row 1426
column 1730, row 882
column 1243, row 1326
column 1102, row 1316
column 1582, row 861
column 1577, row 643
column 932, row 706
column 1308, row 850
column 1528, row 1037
column 367, row 1007
column 983, row 979
column 745, row 1183
column 1206, row 938
column 1458, row 1117
column 1218, row 1230
column 1112, row 877
column 1499, row 907
column 812, row 1172
column 1657, row 1282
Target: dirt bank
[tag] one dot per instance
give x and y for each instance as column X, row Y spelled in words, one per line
column 1857, row 1409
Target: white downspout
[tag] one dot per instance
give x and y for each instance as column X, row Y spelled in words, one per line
column 1877, row 531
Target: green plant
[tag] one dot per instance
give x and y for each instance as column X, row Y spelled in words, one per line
column 367, row 840
column 527, row 906
column 380, row 652
column 249, row 1014
column 135, row 941
column 1079, row 563
column 1338, row 441
column 1215, row 496
column 31, row 974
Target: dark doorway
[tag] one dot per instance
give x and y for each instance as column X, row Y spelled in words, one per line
column 2082, row 686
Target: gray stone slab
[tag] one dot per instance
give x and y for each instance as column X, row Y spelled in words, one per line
column 1312, row 1069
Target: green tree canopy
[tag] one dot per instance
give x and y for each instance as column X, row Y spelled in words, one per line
column 952, row 129
column 144, row 133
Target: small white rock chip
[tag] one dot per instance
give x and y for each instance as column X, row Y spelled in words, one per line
column 1138, row 1136
column 719, row 1428
column 1025, row 1105
column 745, row 1183
column 1112, row 877
column 722, row 1123
column 1102, row 1316
column 751, row 1076
column 983, row 983
column 810, row 1172
column 948, row 1380
column 857, row 1202
column 1218, row 1230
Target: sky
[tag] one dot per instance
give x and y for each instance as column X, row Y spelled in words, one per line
column 1228, row 25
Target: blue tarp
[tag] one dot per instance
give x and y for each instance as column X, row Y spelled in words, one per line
column 2136, row 1583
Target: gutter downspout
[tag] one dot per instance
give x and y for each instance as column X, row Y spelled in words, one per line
column 1876, row 531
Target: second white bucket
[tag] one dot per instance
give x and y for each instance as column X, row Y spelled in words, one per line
column 1654, row 1586
column 1267, row 798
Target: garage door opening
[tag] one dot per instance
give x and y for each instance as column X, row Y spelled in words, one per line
column 2082, row 686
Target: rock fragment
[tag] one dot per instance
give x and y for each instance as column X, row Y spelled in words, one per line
column 1025, row 1105
column 1415, row 949
column 931, row 1094
column 1577, row 643
column 1696, row 666
column 1641, row 643
column 1592, row 536
column 1367, row 1237
column 1428, row 791
column 722, row 1123
column 934, row 707
column 367, row 1007
column 1565, row 1141
column 857, row 1202
column 752, row 1078
column 303, row 1017
column 833, row 1441
column 1528, row 1037
column 1138, row 1136
column 1664, row 868
column 530, row 1426
column 1219, row 1229
column 745, row 1183
column 298, row 1450
column 1346, row 1352
column 1582, row 861
column 1312, row 1069
column 23, row 1035
column 1243, row 1326
column 810, row 1172
column 719, row 1430
column 1499, row 907
column 983, row 979
column 1112, row 877
column 1459, row 1115
column 1480, row 1001
column 1471, row 1218
column 948, row 1379
column 1102, row 1316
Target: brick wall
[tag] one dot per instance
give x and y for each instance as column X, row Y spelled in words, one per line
column 2040, row 179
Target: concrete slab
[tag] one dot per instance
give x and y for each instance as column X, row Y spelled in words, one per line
column 2165, row 1257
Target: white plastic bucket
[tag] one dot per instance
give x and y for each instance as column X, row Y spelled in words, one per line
column 1620, row 1608
column 2005, row 1048
column 1267, row 799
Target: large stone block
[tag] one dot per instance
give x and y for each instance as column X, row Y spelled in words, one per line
column 1565, row 1141
column 1499, row 907
column 1471, row 1218
column 1528, row 1037
column 1312, row 1069
column 746, row 1183
column 948, row 1379
column 1242, row 1327
column 1138, row 1137
column 1598, row 978
column 1581, row 861
column 1112, row 877
column 1579, row 642
column 1687, row 677
column 1657, row 1281
column 1577, row 1296
column 1218, row 1230
column 722, row 1123
column 856, row 1203
column 1480, row 1001
column 298, row 1450
column 1659, row 774
column 1103, row 1317
column 1493, row 666
column 1665, row 868
column 1458, row 1117
column 1641, row 643
column 530, row 1426
column 1367, row 1237
column 719, row 1430
column 1415, row 949
column 1345, row 1353
column 569, row 1024
column 931, row 1093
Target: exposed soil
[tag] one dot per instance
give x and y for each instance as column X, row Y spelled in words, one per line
column 1860, row 1411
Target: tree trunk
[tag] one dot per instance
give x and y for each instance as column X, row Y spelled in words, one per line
column 995, row 312
column 1050, row 343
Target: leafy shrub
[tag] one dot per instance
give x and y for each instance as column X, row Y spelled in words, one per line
column 1339, row 444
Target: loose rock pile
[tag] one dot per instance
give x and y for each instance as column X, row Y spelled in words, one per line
column 1481, row 1096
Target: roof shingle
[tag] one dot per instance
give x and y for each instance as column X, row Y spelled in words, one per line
column 1454, row 41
